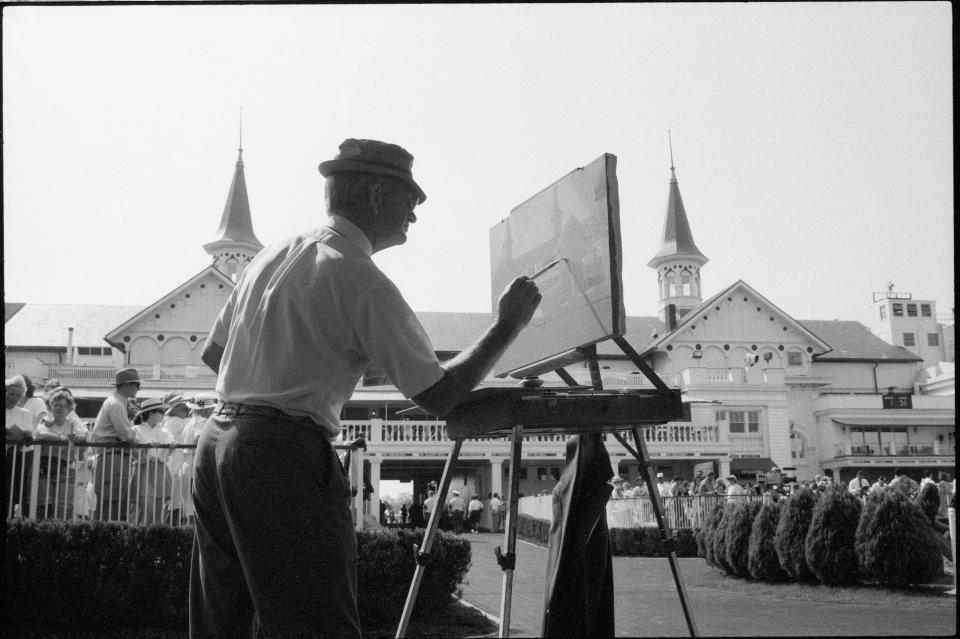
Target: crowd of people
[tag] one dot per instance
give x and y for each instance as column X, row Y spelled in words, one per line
column 459, row 514
column 132, row 463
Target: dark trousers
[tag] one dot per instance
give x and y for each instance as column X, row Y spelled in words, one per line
column 275, row 552
column 457, row 516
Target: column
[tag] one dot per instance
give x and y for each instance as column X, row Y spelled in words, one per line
column 496, row 476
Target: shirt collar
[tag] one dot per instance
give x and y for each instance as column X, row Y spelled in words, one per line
column 351, row 231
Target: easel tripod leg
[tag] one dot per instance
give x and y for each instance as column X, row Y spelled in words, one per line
column 423, row 552
column 668, row 542
column 508, row 562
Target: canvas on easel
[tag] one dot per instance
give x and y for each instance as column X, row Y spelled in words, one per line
column 568, row 237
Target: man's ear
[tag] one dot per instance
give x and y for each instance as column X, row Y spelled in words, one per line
column 375, row 196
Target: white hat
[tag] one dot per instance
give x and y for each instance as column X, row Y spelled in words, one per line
column 456, row 492
column 659, row 474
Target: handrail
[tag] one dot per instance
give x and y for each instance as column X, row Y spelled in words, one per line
column 136, row 483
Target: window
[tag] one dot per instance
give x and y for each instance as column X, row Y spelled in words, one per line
column 926, row 310
column 909, row 339
column 897, row 310
column 744, row 421
column 911, row 310
column 794, row 358
column 83, row 350
column 933, row 339
column 107, row 350
column 883, row 312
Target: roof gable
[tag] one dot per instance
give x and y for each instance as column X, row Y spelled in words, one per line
column 147, row 314
column 739, row 314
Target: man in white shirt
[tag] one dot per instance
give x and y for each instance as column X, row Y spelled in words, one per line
column 663, row 487
column 308, row 316
column 734, row 490
column 113, row 426
column 457, row 508
column 496, row 512
column 859, row 485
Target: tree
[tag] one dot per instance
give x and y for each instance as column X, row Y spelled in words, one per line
column 762, row 560
column 706, row 533
column 720, row 539
column 897, row 544
column 830, row 544
column 791, row 537
column 738, row 527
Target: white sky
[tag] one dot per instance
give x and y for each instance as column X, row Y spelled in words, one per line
column 813, row 142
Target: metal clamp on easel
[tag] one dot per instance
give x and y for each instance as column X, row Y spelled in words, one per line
column 423, row 558
column 506, row 561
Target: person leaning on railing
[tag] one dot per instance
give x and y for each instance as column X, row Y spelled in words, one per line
column 113, row 426
column 61, row 486
column 150, row 483
column 18, row 424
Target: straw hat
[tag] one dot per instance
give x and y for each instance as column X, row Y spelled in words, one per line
column 151, row 404
column 373, row 156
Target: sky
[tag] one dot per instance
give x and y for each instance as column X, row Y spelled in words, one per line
column 813, row 142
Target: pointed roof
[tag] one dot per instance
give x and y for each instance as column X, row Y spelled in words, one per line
column 677, row 238
column 691, row 318
column 236, row 224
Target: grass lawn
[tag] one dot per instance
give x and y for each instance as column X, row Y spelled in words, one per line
column 456, row 621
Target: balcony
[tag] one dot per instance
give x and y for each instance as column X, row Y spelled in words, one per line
column 428, row 438
column 157, row 375
column 913, row 449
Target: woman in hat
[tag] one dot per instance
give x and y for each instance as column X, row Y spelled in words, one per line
column 150, row 483
column 56, row 493
column 201, row 407
column 174, row 422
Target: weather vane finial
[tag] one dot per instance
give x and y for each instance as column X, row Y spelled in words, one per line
column 670, row 141
column 241, row 132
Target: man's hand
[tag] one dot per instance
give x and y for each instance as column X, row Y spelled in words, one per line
column 517, row 304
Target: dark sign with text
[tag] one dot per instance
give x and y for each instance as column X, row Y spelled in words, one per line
column 898, row 400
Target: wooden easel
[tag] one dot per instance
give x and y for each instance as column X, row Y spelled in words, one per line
column 507, row 561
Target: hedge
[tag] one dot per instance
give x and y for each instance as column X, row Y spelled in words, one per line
column 896, row 545
column 829, row 547
column 791, row 538
column 705, row 534
column 738, row 528
column 94, row 575
column 762, row 560
column 720, row 538
column 643, row 541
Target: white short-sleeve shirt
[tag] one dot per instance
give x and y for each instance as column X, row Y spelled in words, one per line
column 308, row 316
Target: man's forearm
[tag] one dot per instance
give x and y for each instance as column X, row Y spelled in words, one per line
column 465, row 371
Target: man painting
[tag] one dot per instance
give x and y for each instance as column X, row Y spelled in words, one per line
column 308, row 316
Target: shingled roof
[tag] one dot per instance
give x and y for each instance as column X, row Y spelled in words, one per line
column 45, row 325
column 851, row 340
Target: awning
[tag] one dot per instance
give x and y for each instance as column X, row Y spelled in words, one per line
column 740, row 465
column 896, row 420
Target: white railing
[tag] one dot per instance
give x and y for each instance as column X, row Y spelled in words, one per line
column 633, row 512
column 725, row 376
column 400, row 431
column 156, row 373
column 137, row 483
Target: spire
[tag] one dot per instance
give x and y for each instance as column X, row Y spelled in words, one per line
column 235, row 243
column 677, row 239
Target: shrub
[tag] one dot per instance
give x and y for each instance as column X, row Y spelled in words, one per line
column 720, row 538
column 94, row 575
column 738, row 527
column 829, row 547
column 386, row 564
column 790, row 540
column 896, row 544
column 708, row 531
column 762, row 561
column 860, row 537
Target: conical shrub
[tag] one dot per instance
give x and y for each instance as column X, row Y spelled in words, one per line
column 720, row 539
column 791, row 537
column 861, row 538
column 706, row 533
column 897, row 546
column 830, row 545
column 738, row 526
column 762, row 560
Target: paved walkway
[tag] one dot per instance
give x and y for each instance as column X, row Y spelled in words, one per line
column 647, row 604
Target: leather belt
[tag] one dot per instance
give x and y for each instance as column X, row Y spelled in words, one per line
column 252, row 410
